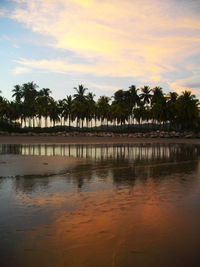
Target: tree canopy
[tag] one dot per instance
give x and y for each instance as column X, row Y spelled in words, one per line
column 133, row 107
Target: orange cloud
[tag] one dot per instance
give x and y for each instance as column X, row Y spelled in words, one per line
column 130, row 38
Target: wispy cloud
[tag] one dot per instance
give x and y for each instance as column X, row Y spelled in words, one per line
column 190, row 83
column 4, row 37
column 16, row 46
column 150, row 40
column 20, row 70
column 3, row 12
column 103, row 86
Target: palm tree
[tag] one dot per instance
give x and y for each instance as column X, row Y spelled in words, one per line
column 29, row 93
column 43, row 100
column 157, row 94
column 160, row 111
column 3, row 109
column 1, row 98
column 172, row 96
column 61, row 110
column 80, row 93
column 187, row 110
column 90, row 108
column 17, row 93
column 119, row 97
column 53, row 111
column 45, row 92
column 134, row 97
column 146, row 96
column 117, row 114
column 125, row 101
column 139, row 113
column 171, row 107
column 78, row 112
column 79, row 105
column 67, row 109
column 103, row 108
column 14, row 112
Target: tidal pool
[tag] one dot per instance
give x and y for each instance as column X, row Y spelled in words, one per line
column 87, row 205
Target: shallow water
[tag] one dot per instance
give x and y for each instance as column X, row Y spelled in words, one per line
column 86, row 205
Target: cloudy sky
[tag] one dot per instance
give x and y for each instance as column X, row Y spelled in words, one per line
column 104, row 44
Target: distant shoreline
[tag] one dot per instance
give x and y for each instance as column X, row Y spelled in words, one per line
column 93, row 140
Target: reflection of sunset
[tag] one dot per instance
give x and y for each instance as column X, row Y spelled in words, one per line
column 117, row 205
column 109, row 226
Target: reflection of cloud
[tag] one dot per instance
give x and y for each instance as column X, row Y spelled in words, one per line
column 145, row 39
column 106, row 223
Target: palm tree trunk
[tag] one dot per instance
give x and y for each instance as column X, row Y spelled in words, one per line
column 69, row 122
column 46, row 122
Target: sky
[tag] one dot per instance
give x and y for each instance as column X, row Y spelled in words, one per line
column 105, row 45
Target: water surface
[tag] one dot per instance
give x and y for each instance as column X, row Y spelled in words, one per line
column 86, row 205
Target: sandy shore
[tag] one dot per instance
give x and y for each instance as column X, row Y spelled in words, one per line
column 90, row 140
column 22, row 165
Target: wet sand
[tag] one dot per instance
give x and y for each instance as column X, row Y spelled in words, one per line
column 92, row 140
column 30, row 166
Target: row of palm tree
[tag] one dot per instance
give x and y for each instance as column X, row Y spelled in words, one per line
column 31, row 105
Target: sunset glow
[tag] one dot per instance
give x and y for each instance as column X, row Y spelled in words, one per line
column 103, row 44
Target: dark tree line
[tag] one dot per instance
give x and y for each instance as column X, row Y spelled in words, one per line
column 31, row 105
